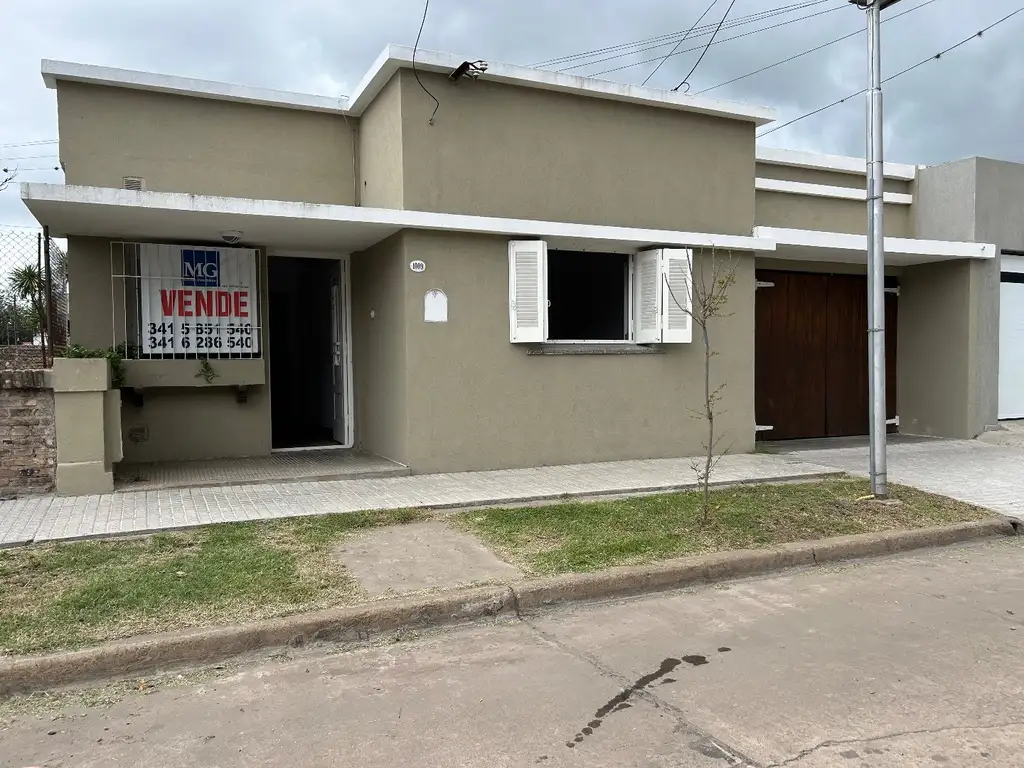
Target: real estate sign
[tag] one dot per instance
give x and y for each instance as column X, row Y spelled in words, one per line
column 198, row 301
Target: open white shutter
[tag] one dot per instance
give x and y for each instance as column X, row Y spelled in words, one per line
column 677, row 325
column 527, row 290
column 647, row 296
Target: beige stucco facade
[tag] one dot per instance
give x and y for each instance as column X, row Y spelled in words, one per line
column 438, row 395
column 826, row 214
column 181, row 144
column 502, row 150
column 459, row 395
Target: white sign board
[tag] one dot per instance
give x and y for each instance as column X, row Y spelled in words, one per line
column 198, row 301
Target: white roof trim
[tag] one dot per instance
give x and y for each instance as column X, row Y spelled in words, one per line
column 907, row 246
column 128, row 200
column 837, row 163
column 825, row 190
column 390, row 61
column 186, row 86
column 395, row 57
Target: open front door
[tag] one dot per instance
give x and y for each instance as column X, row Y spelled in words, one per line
column 339, row 353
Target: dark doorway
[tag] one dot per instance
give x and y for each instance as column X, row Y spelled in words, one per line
column 301, row 385
column 811, row 355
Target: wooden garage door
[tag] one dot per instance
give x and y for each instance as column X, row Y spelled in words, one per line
column 811, row 350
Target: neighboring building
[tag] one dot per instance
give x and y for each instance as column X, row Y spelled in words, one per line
column 491, row 288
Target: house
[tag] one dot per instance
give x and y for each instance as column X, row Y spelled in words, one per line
column 488, row 283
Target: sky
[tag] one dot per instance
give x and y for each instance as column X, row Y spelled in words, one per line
column 968, row 102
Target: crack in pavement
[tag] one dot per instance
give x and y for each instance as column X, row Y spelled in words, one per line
column 895, row 735
column 732, row 756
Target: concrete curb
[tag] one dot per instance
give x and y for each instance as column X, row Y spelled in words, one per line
column 361, row 623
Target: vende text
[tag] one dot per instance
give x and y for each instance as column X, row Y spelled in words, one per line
column 186, row 302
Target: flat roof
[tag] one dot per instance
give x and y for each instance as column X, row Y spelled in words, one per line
column 120, row 213
column 836, row 163
column 393, row 58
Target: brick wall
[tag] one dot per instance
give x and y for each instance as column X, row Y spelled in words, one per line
column 20, row 357
column 28, row 446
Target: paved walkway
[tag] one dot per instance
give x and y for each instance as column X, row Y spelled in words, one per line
column 979, row 473
column 48, row 518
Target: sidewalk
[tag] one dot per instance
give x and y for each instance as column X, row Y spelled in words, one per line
column 986, row 473
column 48, row 518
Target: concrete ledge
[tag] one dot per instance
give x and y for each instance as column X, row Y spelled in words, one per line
column 80, row 374
column 364, row 622
column 142, row 374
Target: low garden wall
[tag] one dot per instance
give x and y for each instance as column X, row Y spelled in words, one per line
column 28, row 445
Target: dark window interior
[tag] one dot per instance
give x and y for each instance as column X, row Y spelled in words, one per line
column 301, row 388
column 587, row 294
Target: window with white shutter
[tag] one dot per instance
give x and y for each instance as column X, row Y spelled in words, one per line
column 647, row 295
column 678, row 295
column 572, row 297
column 527, row 294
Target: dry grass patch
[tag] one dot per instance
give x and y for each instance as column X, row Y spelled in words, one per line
column 58, row 596
column 588, row 536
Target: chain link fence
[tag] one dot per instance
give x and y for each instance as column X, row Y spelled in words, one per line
column 34, row 297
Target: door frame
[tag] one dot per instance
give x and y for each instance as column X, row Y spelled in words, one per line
column 345, row 317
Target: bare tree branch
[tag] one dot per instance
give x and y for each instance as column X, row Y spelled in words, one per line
column 6, row 177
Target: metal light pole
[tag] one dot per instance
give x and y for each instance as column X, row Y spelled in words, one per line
column 876, row 248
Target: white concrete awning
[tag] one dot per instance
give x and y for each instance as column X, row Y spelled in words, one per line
column 810, row 245
column 126, row 214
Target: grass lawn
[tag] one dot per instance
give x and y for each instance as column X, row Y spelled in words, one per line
column 57, row 596
column 577, row 537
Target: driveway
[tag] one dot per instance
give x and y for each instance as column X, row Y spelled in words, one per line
column 904, row 661
column 977, row 472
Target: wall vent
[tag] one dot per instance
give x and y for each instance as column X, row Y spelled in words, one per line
column 134, row 183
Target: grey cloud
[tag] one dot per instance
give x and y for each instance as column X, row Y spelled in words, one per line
column 967, row 103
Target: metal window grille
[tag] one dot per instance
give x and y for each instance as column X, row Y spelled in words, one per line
column 34, row 298
column 159, row 315
column 135, row 183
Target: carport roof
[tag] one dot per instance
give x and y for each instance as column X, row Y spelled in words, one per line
column 120, row 213
column 811, row 245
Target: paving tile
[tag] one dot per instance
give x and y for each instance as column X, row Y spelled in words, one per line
column 141, row 509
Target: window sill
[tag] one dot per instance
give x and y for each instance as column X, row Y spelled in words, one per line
column 593, row 349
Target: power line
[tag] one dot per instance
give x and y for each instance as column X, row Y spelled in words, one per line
column 686, row 80
column 812, row 50
column 902, row 72
column 717, row 42
column 416, row 74
column 31, row 143
column 16, row 169
column 703, row 31
column 681, row 41
column 668, row 38
column 27, row 157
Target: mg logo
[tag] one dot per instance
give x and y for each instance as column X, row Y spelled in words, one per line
column 200, row 269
